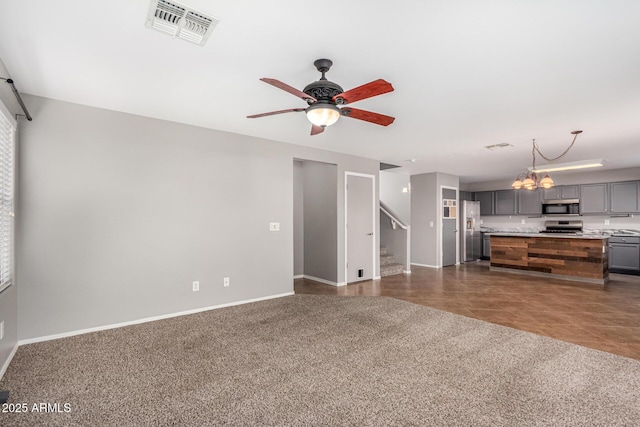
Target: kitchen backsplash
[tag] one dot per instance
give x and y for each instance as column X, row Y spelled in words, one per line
column 590, row 223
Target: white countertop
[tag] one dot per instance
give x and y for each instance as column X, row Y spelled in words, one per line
column 552, row 235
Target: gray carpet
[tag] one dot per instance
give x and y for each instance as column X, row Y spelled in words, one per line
column 321, row 360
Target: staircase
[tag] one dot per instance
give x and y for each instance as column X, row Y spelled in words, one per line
column 388, row 264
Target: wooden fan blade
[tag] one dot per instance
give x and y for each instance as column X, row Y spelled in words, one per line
column 374, row 88
column 287, row 88
column 315, row 129
column 368, row 116
column 271, row 113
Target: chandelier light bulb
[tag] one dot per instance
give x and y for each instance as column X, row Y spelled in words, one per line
column 546, row 182
column 517, row 184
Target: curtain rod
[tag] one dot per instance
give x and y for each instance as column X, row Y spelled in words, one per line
column 17, row 95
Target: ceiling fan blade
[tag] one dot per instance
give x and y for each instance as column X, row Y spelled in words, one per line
column 368, row 116
column 374, row 88
column 271, row 113
column 287, row 88
column 315, row 129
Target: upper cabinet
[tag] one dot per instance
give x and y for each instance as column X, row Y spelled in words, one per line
column 486, row 202
column 593, row 199
column 465, row 195
column 505, row 202
column 561, row 192
column 624, row 197
column 614, row 198
column 529, row 202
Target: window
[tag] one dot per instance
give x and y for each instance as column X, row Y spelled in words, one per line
column 7, row 135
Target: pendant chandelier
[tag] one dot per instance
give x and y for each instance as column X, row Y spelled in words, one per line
column 531, row 180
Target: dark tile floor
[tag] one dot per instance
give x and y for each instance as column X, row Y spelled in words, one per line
column 602, row 317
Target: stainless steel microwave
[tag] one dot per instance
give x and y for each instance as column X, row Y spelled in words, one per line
column 561, row 207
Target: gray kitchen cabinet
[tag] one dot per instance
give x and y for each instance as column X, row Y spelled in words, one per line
column 594, row 198
column 624, row 197
column 504, row 202
column 561, row 192
column 624, row 254
column 465, row 195
column 486, row 202
column 569, row 191
column 529, row 202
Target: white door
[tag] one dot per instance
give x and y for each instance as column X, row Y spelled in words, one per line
column 360, row 236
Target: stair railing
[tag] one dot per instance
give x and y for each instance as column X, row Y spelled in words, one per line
column 394, row 219
column 397, row 238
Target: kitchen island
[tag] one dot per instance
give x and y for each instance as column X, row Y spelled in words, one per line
column 583, row 258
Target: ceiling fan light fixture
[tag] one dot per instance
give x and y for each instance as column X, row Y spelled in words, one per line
column 323, row 114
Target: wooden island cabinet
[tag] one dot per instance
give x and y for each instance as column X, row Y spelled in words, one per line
column 570, row 257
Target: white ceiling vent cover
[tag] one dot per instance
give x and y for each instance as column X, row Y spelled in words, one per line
column 180, row 21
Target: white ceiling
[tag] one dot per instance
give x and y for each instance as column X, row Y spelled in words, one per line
column 466, row 73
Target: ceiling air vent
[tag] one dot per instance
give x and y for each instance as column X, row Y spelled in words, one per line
column 180, row 21
column 501, row 145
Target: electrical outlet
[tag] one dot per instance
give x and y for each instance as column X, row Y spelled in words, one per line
column 226, row 282
column 607, row 222
column 430, row 223
column 274, row 226
column 522, row 221
column 196, row 286
column 2, row 330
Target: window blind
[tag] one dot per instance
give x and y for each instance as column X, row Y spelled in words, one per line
column 7, row 135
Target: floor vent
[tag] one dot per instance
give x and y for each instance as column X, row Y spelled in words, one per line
column 180, row 21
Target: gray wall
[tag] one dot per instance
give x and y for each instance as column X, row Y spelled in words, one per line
column 426, row 197
column 9, row 297
column 320, row 220
column 391, row 184
column 120, row 213
column 298, row 218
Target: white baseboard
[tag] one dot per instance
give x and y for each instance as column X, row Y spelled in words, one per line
column 407, row 271
column 377, row 277
column 326, row 282
column 9, row 359
column 298, row 276
column 147, row 319
column 425, row 265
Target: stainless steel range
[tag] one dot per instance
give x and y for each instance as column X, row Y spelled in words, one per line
column 563, row 227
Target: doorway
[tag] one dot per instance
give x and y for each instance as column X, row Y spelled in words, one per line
column 315, row 221
column 449, row 210
column 360, row 237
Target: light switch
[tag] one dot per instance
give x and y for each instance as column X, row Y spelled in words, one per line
column 274, row 226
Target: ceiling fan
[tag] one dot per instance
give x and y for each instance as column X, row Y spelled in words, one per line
column 324, row 96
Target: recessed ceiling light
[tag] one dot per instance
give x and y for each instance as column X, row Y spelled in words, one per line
column 410, row 160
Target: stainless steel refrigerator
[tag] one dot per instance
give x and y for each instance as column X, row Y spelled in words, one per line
column 471, row 239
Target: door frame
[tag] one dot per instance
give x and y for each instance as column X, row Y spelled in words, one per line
column 441, row 220
column 373, row 221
